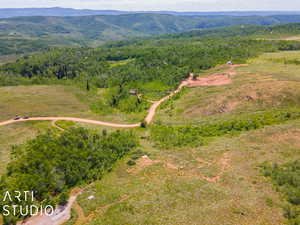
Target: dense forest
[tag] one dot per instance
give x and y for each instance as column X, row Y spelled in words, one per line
column 51, row 164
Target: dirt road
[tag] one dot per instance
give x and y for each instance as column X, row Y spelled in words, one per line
column 155, row 105
column 96, row 122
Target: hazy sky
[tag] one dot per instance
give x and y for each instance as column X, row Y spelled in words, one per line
column 179, row 5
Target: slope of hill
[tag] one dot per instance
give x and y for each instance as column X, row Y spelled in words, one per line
column 147, row 24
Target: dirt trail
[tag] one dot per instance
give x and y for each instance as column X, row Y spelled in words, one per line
column 148, row 118
column 223, row 165
column 60, row 216
column 56, row 126
column 155, row 105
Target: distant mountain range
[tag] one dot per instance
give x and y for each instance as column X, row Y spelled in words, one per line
column 118, row 27
column 14, row 12
column 32, row 33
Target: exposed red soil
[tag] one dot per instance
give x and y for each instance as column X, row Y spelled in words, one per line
column 217, row 79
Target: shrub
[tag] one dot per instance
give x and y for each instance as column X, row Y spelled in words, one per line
column 131, row 163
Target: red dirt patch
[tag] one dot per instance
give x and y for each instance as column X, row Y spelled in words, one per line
column 213, row 80
column 217, row 79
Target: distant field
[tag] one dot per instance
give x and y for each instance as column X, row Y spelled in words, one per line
column 8, row 58
column 293, row 38
column 38, row 101
column 41, row 100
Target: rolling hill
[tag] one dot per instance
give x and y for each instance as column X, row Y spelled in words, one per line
column 17, row 33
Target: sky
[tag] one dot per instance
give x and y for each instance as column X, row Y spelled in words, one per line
column 176, row 5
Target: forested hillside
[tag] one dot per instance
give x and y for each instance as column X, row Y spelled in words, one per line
column 41, row 32
column 246, row 31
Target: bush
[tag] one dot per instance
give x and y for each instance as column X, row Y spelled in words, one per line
column 131, row 163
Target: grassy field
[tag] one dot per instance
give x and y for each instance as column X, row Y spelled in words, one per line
column 41, row 100
column 38, row 101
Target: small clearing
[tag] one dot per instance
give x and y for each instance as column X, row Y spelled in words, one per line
column 217, row 79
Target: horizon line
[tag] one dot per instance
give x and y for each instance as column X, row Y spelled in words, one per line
column 162, row 10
